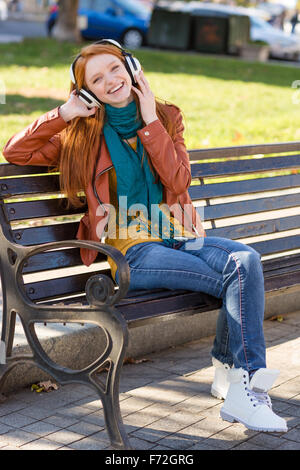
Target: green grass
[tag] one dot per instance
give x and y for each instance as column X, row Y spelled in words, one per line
column 226, row 101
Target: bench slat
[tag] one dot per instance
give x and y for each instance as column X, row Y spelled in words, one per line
column 234, row 167
column 261, row 227
column 285, row 280
column 52, row 288
column 39, row 208
column 234, row 188
column 150, row 311
column 243, row 150
column 252, row 206
column 75, row 284
column 9, row 169
column 45, row 234
column 31, row 185
column 271, row 266
column 56, row 260
column 277, row 245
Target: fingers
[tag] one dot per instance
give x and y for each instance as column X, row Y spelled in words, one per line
column 137, row 91
column 140, row 78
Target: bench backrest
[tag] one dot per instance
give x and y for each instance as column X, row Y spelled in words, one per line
column 246, row 193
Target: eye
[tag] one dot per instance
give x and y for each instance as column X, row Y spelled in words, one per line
column 115, row 67
column 98, row 78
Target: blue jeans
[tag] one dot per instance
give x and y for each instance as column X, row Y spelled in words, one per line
column 221, row 267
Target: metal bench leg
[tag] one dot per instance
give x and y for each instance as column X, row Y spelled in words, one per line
column 109, row 396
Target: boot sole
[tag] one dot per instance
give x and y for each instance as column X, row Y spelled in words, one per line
column 232, row 419
column 216, row 394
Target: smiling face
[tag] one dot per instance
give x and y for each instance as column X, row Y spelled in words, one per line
column 107, row 77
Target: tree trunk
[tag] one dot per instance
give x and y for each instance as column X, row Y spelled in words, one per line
column 65, row 28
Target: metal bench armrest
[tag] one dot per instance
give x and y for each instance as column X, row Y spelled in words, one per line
column 99, row 288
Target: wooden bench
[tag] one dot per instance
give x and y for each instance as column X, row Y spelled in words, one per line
column 262, row 211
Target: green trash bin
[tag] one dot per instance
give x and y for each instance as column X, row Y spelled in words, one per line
column 210, row 32
column 170, row 27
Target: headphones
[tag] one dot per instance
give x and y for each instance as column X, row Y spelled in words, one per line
column 132, row 65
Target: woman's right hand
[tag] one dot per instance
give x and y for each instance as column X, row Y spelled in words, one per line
column 74, row 107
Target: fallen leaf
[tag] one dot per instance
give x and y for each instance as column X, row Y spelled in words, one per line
column 131, row 360
column 237, row 136
column 277, row 318
column 46, row 386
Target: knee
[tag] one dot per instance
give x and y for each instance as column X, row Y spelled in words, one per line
column 249, row 259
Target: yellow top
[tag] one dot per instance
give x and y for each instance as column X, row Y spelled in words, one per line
column 137, row 233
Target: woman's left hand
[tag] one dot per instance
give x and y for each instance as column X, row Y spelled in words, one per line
column 146, row 98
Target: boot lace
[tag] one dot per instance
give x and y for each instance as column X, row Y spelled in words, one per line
column 259, row 398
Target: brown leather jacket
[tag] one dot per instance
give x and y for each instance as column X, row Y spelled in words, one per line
column 39, row 144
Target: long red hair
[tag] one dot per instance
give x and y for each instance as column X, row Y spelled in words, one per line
column 77, row 158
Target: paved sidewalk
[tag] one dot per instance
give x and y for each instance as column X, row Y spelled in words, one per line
column 165, row 403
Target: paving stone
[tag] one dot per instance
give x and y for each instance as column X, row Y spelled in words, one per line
column 17, row 437
column 74, row 411
column 289, row 445
column 36, row 412
column 266, row 440
column 139, row 444
column 292, row 435
column 292, row 410
column 5, row 428
column 133, row 404
column 161, row 447
column 175, row 422
column 10, row 448
column 149, row 434
column 61, row 421
column 41, row 428
column 248, row 446
column 16, row 420
column 96, row 418
column 41, row 444
column 230, row 437
column 203, row 446
column 10, row 406
column 84, row 428
column 64, row 436
column 88, row 443
column 139, row 419
column 176, row 441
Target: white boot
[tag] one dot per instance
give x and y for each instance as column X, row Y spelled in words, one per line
column 249, row 403
column 220, row 384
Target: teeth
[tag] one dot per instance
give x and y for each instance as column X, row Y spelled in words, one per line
column 115, row 89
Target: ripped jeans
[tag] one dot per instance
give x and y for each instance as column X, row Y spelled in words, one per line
column 221, row 267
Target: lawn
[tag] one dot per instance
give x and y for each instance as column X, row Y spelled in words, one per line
column 225, row 101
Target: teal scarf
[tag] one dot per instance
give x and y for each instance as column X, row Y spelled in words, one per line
column 134, row 179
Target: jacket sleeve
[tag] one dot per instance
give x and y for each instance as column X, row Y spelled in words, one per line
column 168, row 156
column 38, row 143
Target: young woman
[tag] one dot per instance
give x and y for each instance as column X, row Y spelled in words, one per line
column 126, row 149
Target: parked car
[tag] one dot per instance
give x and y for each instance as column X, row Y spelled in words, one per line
column 126, row 21
column 282, row 45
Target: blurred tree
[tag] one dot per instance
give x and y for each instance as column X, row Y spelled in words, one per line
column 66, row 28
